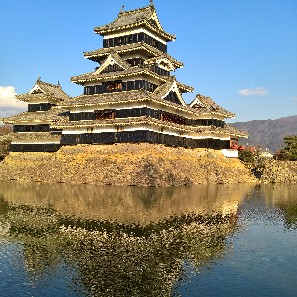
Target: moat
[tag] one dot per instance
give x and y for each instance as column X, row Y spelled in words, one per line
column 86, row 240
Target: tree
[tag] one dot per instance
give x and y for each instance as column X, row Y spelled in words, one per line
column 4, row 141
column 246, row 156
column 5, row 129
column 290, row 150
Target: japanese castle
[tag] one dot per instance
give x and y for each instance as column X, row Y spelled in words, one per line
column 130, row 97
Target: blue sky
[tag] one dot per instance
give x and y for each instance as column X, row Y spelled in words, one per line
column 242, row 53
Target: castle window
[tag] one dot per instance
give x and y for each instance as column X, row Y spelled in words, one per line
column 172, row 118
column 105, row 114
column 130, row 39
column 40, row 107
column 135, row 61
column 140, row 37
column 114, row 86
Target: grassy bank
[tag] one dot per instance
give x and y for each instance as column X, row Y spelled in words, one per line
column 126, row 164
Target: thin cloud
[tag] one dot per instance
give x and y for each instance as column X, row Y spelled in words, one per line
column 8, row 99
column 293, row 98
column 253, row 92
column 7, row 113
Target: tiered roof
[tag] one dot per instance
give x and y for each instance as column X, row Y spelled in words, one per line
column 44, row 90
column 41, row 91
column 142, row 17
column 97, row 99
column 52, row 115
column 149, row 50
column 206, row 104
column 143, row 120
column 144, row 97
column 131, row 71
column 115, row 58
column 153, row 67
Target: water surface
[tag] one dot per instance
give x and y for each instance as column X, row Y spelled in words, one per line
column 84, row 240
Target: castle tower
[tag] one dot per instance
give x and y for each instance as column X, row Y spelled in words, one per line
column 133, row 96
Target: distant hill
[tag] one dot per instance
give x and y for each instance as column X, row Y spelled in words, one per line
column 268, row 133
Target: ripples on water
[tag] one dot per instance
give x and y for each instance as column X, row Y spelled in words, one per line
column 68, row 240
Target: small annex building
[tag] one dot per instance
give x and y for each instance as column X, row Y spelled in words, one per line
column 130, row 97
column 32, row 130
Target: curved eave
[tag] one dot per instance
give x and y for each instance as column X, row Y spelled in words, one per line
column 91, row 77
column 33, row 97
column 147, row 97
column 46, row 121
column 184, row 88
column 144, row 120
column 103, row 103
column 235, row 132
column 13, row 122
column 45, row 117
column 242, row 135
column 213, row 114
column 238, row 134
column 227, row 115
column 185, row 108
column 219, row 111
column 103, row 52
column 7, row 122
column 114, row 75
column 105, row 30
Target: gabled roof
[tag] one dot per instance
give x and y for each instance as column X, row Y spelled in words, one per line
column 206, row 104
column 163, row 90
column 43, row 89
column 146, row 16
column 112, row 59
column 128, row 48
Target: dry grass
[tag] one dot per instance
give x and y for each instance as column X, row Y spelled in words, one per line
column 125, row 164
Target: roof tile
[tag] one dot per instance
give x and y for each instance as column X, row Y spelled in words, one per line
column 132, row 18
column 52, row 115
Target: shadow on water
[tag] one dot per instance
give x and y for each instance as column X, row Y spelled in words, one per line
column 122, row 241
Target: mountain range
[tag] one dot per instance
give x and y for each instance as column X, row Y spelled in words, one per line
column 268, row 133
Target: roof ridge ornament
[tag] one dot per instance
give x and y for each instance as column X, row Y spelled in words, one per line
column 122, row 9
column 152, row 2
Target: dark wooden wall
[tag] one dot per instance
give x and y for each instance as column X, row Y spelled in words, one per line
column 142, row 136
column 135, row 38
